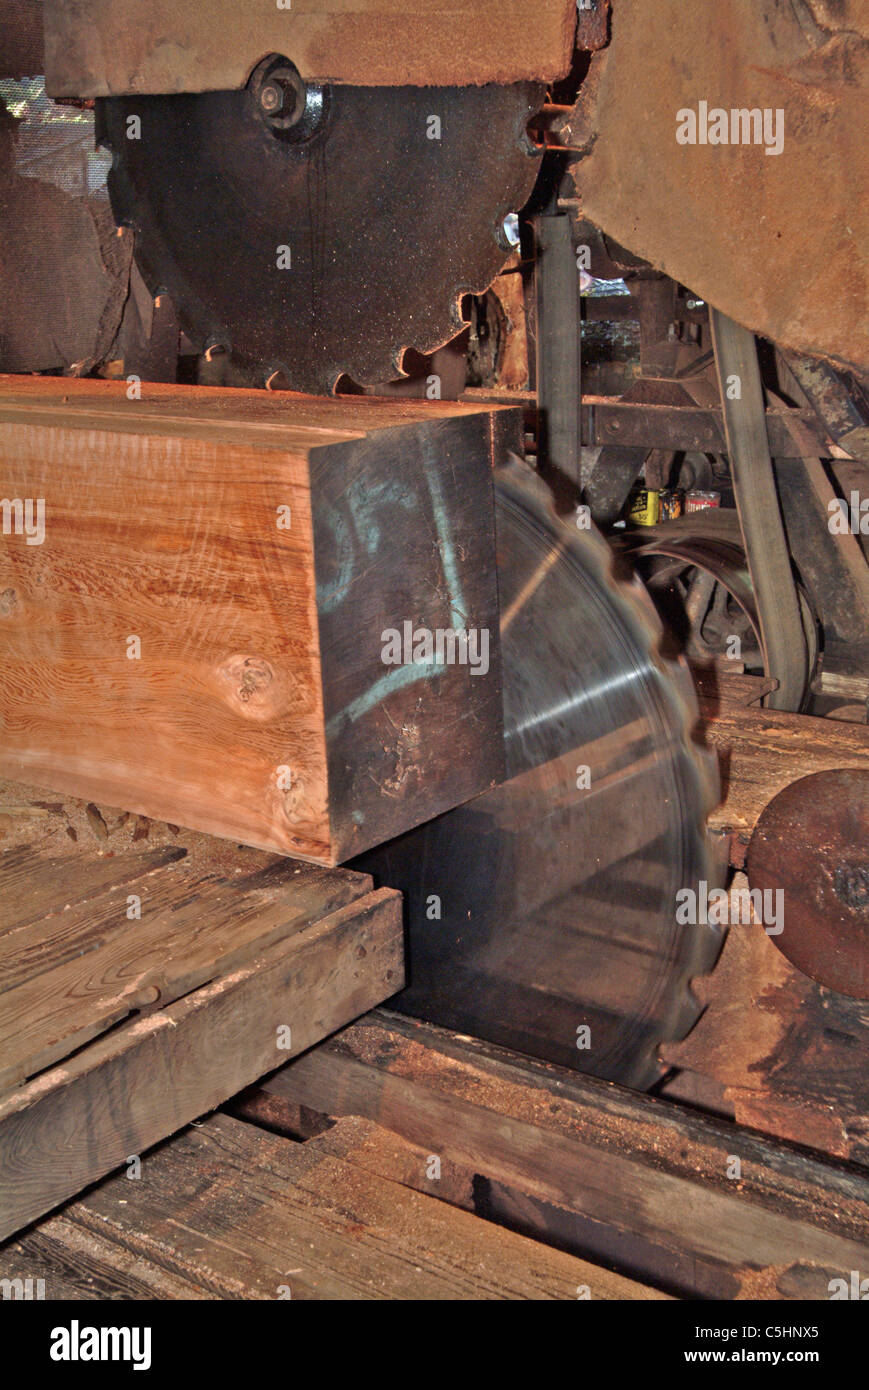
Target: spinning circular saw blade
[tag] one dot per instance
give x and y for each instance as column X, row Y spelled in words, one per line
column 321, row 230
column 549, row 904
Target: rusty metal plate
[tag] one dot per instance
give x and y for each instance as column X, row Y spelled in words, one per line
column 324, row 251
column 592, row 30
column 812, row 843
column 96, row 48
column 779, row 242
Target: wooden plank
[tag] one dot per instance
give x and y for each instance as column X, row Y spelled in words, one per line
column 164, row 46
column 209, row 575
column 145, row 1080
column 624, row 1178
column 762, row 751
column 98, row 919
column 28, row 899
column 73, row 971
column 73, row 1262
column 227, row 1211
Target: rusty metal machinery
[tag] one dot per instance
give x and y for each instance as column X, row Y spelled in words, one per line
column 696, row 568
column 723, row 217
column 317, row 231
column 313, row 197
column 827, row 928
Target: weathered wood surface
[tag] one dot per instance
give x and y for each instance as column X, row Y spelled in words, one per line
column 761, row 751
column 195, row 630
column 165, row 46
column 93, row 932
column 179, row 1007
column 791, row 1058
column 774, row 1049
column 226, row 1211
column 736, row 242
column 622, row 1178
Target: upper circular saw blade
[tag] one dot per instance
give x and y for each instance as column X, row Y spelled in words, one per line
column 548, row 905
column 328, row 254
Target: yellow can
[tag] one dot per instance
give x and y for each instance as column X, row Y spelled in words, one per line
column 644, row 508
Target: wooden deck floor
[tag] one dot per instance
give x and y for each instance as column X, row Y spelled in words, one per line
column 229, row 1211
column 147, row 974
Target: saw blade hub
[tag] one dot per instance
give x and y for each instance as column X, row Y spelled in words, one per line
column 289, row 106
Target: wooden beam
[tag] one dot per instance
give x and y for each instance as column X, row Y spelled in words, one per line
column 634, row 1181
column 207, row 576
column 130, row 1089
column 307, row 1222
column 175, row 46
column 94, row 938
column 140, row 986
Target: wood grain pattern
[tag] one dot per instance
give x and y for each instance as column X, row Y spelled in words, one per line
column 161, row 524
column 624, row 1178
column 227, row 1211
column 164, row 46
column 145, row 1022
column 178, row 546
column 79, row 968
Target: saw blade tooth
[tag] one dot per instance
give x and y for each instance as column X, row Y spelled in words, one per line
column 560, row 907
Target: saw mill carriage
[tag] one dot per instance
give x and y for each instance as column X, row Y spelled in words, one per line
column 434, row 650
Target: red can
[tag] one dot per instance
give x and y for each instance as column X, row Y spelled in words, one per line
column 699, row 501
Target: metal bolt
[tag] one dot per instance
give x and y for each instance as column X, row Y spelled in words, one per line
column 271, row 98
